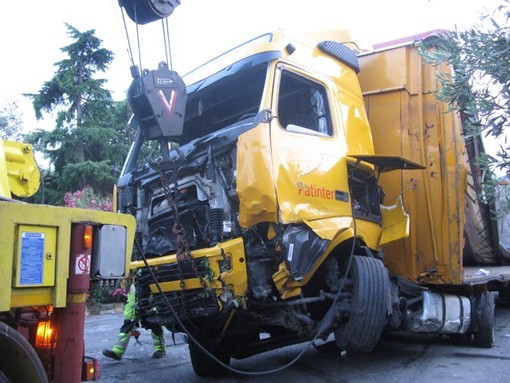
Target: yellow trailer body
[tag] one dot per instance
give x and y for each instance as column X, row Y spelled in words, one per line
column 405, row 117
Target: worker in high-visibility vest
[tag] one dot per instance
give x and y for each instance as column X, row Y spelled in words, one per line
column 129, row 326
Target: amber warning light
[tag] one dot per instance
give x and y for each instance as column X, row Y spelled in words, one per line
column 87, row 237
column 46, row 335
column 90, row 369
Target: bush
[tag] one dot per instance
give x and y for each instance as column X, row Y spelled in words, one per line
column 99, row 295
column 86, row 198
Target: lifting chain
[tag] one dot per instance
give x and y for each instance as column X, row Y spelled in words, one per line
column 183, row 252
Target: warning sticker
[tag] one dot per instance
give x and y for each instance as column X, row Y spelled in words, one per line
column 82, row 265
column 32, row 258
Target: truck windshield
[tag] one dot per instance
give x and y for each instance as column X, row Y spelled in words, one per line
column 223, row 100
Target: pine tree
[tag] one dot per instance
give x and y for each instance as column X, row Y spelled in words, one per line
column 90, row 138
column 10, row 122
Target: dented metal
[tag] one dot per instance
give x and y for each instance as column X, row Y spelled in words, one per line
column 274, row 184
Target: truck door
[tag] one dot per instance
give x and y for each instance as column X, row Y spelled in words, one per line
column 307, row 149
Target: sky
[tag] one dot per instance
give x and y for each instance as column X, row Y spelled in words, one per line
column 32, row 32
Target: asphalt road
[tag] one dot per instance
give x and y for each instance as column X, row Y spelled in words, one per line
column 399, row 359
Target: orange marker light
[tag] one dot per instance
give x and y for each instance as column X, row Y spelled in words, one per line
column 87, row 237
column 45, row 336
column 90, row 369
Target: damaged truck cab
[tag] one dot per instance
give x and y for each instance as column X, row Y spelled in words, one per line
column 259, row 209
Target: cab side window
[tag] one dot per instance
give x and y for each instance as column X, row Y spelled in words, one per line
column 303, row 106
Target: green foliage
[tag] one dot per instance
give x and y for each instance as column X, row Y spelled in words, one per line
column 73, row 85
column 479, row 86
column 10, row 122
column 102, row 294
column 91, row 137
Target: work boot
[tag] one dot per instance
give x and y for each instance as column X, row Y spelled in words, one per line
column 112, row 355
column 159, row 354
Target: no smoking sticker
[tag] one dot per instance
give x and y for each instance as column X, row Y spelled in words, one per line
column 82, row 265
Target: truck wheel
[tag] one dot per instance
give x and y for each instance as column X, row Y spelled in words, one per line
column 19, row 362
column 484, row 337
column 369, row 303
column 480, row 232
column 203, row 364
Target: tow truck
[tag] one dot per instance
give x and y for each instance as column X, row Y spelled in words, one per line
column 48, row 256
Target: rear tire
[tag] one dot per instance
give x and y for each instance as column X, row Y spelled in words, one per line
column 203, row 364
column 484, row 337
column 369, row 305
column 480, row 230
column 19, row 362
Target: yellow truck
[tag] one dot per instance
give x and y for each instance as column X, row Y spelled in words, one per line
column 49, row 254
column 299, row 190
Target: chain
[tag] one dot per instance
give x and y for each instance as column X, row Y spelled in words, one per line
column 180, row 234
column 183, row 252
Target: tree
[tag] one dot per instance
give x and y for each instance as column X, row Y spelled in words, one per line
column 10, row 122
column 90, row 137
column 479, row 86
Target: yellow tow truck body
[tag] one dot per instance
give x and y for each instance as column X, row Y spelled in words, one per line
column 45, row 267
column 21, row 174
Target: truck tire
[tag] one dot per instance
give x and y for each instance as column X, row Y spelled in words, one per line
column 479, row 247
column 484, row 337
column 203, row 364
column 19, row 362
column 369, row 305
column 480, row 229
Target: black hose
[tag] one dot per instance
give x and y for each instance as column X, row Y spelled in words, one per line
column 325, row 322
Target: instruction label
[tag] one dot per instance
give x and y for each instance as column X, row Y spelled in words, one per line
column 32, row 258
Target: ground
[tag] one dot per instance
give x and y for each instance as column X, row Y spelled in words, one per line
column 399, row 359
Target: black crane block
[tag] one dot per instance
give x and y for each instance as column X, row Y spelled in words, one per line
column 158, row 101
column 146, row 11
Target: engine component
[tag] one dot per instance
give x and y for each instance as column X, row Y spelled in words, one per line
column 261, row 266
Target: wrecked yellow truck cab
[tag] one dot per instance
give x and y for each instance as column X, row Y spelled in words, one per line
column 261, row 219
column 295, row 165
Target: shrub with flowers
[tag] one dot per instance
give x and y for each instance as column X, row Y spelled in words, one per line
column 86, row 198
column 118, row 294
column 99, row 295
